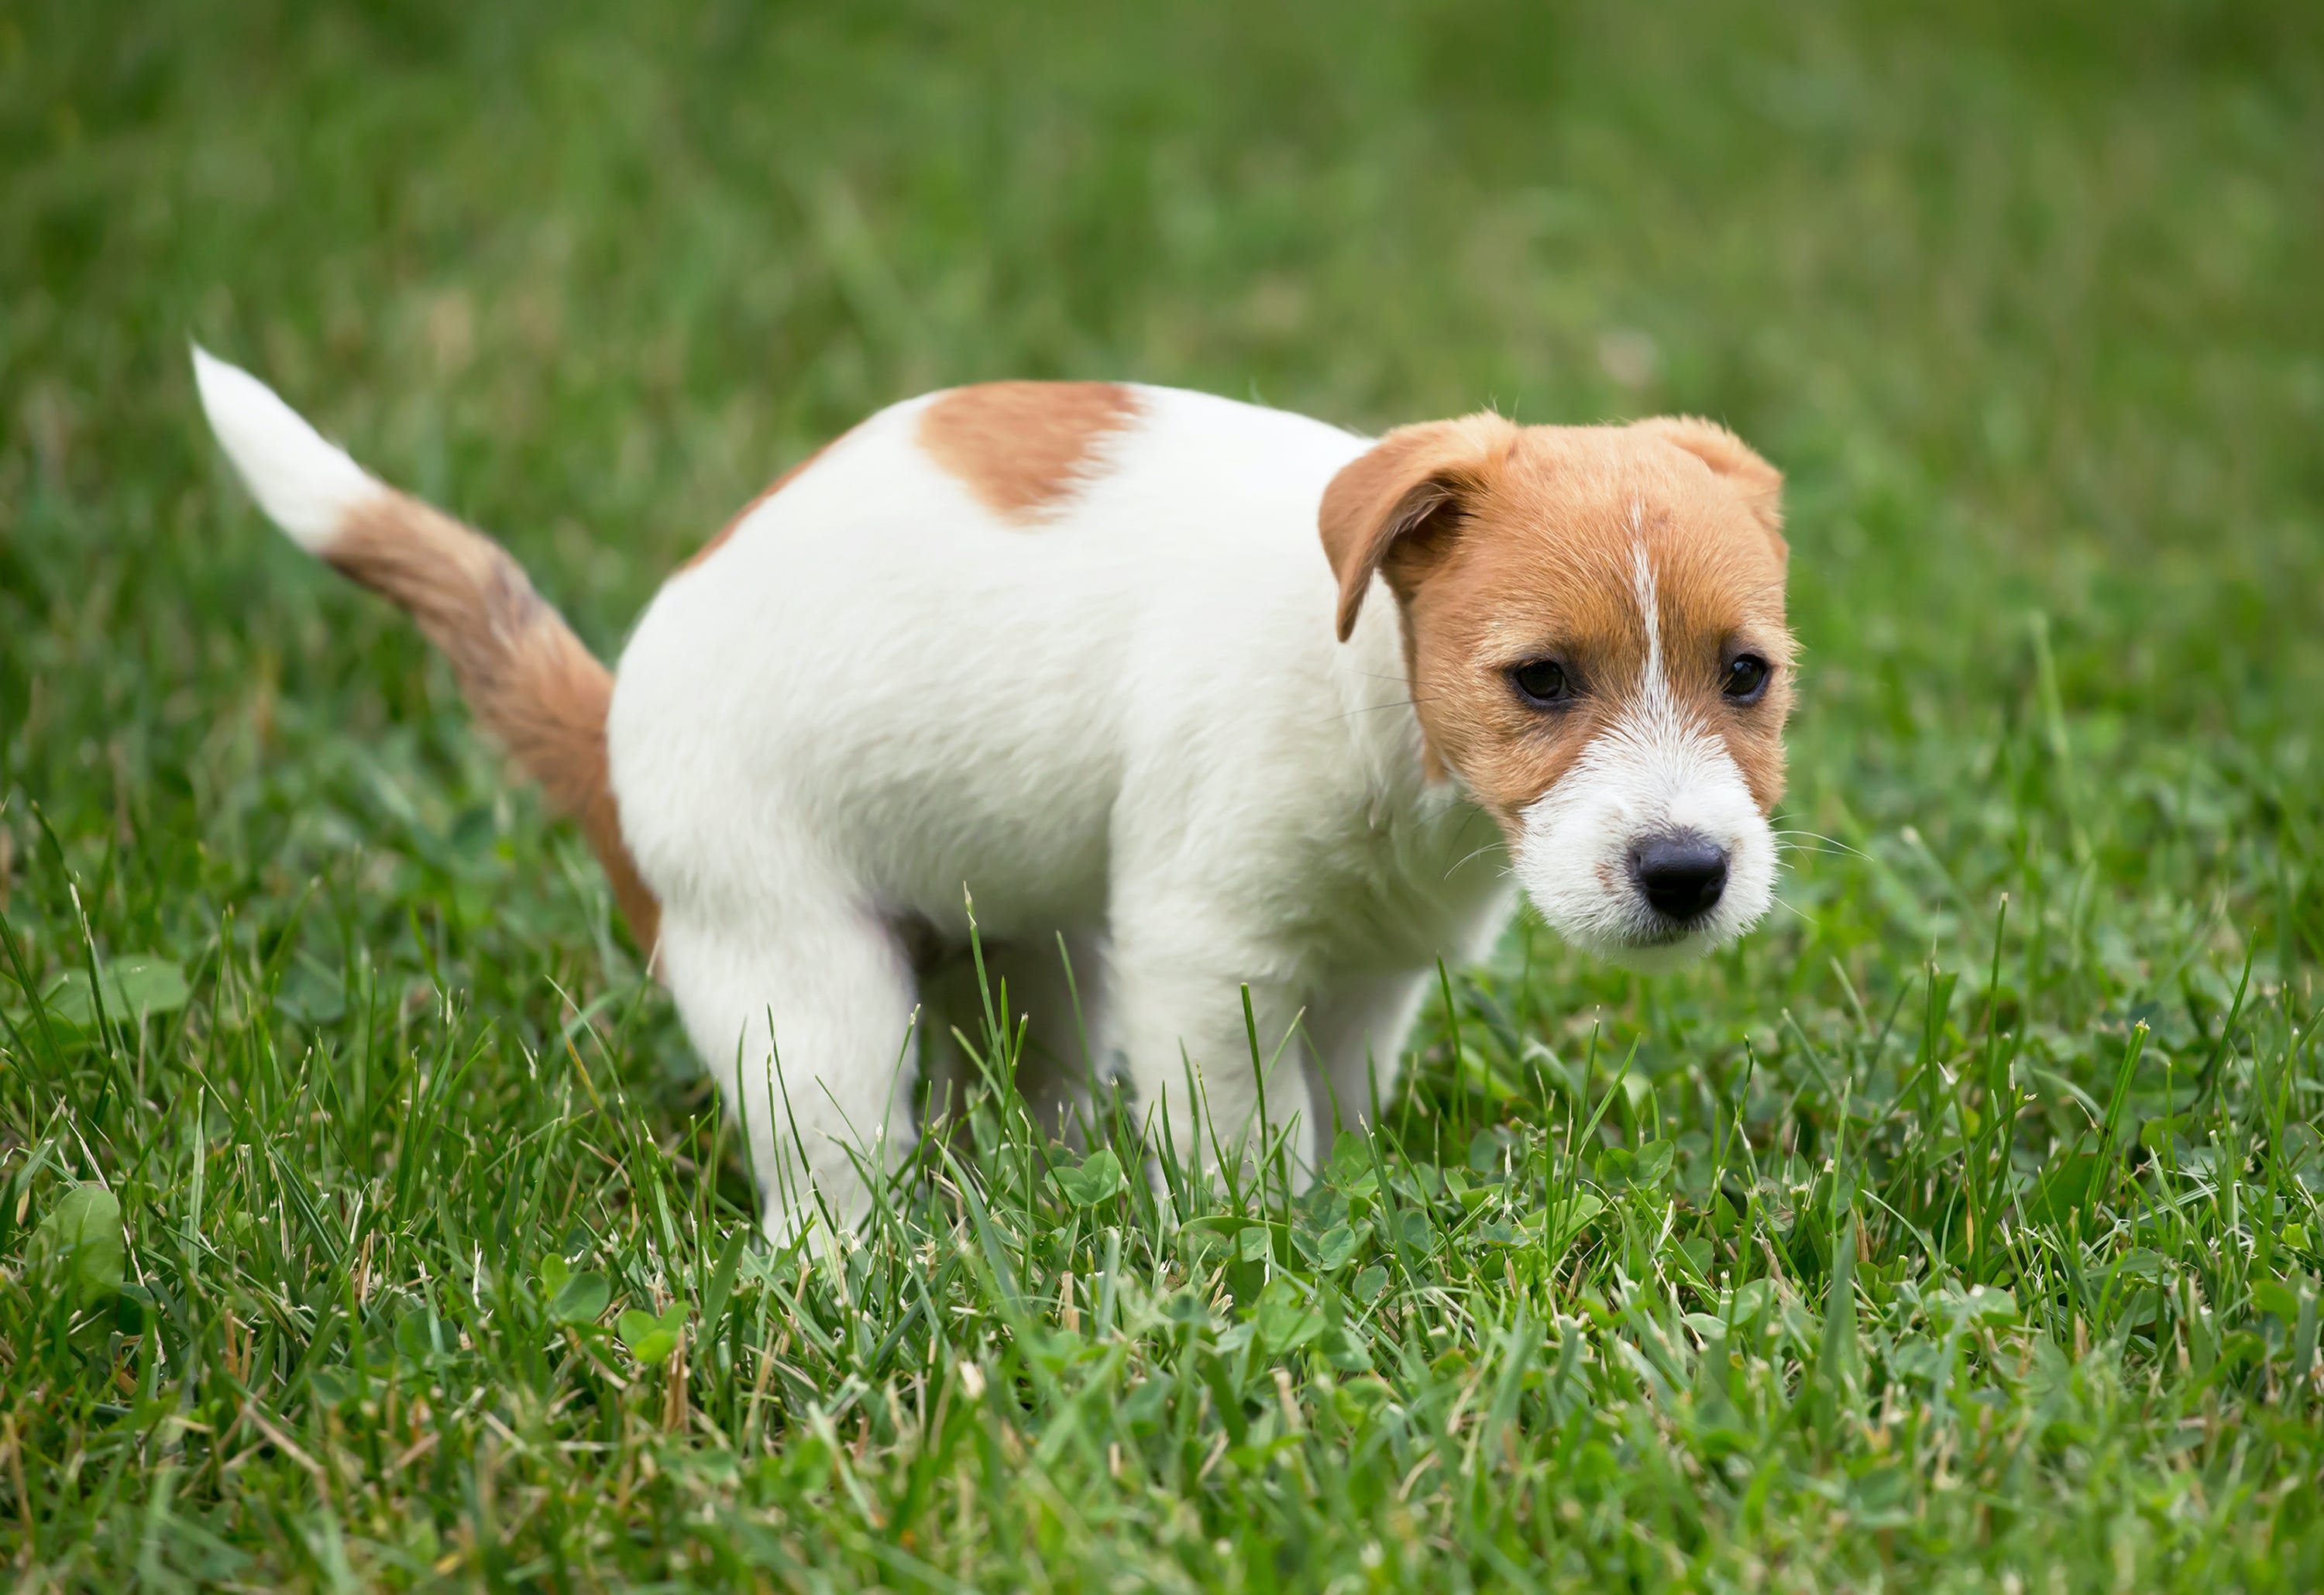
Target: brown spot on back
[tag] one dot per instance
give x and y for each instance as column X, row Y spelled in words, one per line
column 1022, row 447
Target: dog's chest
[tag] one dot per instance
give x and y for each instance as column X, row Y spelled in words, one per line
column 1409, row 883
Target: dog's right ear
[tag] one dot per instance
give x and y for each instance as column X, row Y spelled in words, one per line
column 1414, row 486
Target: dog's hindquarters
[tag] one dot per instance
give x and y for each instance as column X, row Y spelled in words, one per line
column 529, row 679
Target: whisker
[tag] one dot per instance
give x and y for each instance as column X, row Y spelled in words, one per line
column 1479, row 853
column 1806, row 918
column 1791, row 847
column 1833, row 841
column 1375, row 708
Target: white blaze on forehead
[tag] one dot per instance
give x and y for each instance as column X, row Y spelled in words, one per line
column 1652, row 718
column 1652, row 771
column 1654, row 687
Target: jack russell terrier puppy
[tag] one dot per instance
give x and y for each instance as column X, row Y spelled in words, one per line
column 1203, row 696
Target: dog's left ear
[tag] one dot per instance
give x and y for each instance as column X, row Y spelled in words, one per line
column 1415, row 484
column 1758, row 483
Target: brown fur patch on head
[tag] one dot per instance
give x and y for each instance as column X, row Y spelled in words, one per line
column 1758, row 483
column 1506, row 545
column 1023, row 448
column 1412, row 488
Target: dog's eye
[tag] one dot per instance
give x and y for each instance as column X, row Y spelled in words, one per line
column 1542, row 683
column 1747, row 678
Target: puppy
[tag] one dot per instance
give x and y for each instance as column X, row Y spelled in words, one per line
column 1211, row 696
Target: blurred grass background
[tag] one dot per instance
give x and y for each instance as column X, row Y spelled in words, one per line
column 2023, row 298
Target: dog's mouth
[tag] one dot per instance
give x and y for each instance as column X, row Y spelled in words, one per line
column 1656, row 949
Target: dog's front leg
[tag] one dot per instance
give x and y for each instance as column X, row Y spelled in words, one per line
column 1359, row 1023
column 1176, row 1024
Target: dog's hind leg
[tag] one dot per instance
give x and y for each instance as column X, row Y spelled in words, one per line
column 805, row 1011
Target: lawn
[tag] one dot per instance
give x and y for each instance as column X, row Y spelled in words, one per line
column 363, row 1221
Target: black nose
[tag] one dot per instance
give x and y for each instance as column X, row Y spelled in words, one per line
column 1681, row 874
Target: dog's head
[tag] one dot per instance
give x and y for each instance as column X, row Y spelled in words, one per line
column 1593, row 628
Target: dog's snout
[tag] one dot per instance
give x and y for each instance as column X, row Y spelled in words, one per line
column 1680, row 875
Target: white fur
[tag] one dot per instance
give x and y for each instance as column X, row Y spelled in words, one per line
column 1128, row 722
column 1651, row 772
column 305, row 485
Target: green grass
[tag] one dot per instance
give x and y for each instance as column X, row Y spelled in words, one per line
column 1911, row 1243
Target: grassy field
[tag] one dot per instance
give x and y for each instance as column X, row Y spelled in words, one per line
column 362, row 1221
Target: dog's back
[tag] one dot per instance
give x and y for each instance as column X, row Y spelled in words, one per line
column 955, row 691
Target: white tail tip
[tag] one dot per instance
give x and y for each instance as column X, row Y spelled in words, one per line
column 305, row 485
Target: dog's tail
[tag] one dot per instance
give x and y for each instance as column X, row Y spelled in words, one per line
column 528, row 678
